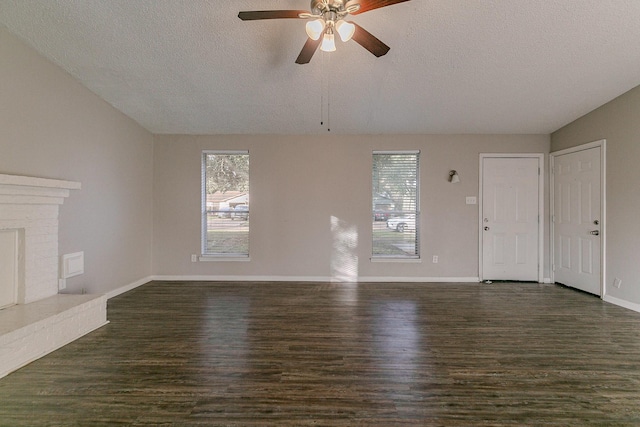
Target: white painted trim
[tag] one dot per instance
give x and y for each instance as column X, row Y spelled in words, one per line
column 583, row 147
column 552, row 219
column 31, row 181
column 396, row 151
column 129, row 287
column 27, row 190
column 541, row 175
column 603, row 214
column 194, row 278
column 325, row 279
column 602, row 144
column 225, row 151
column 322, row 279
column 213, row 278
column 419, row 279
column 622, row 303
column 221, row 258
column 393, row 259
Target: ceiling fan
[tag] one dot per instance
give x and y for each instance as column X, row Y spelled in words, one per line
column 326, row 18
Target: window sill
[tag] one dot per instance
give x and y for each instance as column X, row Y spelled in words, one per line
column 392, row 259
column 218, row 258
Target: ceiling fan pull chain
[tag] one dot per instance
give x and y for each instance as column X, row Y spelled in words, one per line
column 322, row 92
column 329, row 97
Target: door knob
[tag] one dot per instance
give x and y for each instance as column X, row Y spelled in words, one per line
column 595, row 232
column 486, row 229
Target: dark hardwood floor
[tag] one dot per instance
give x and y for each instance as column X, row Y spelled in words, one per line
column 247, row 354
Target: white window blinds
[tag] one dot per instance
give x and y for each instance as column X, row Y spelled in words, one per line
column 225, row 203
column 396, row 209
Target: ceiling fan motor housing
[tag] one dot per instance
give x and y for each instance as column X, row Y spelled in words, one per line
column 319, row 7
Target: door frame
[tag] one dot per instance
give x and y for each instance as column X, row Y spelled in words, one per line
column 602, row 144
column 541, row 172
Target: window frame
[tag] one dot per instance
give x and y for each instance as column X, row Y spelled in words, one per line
column 398, row 257
column 210, row 256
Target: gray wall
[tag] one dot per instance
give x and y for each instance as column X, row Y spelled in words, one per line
column 53, row 127
column 619, row 123
column 138, row 213
column 299, row 183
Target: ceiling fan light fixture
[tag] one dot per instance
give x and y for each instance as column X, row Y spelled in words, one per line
column 328, row 43
column 324, row 19
column 345, row 30
column 315, row 28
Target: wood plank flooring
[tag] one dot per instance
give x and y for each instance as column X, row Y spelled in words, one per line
column 257, row 354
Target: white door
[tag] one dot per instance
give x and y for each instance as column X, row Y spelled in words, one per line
column 577, row 222
column 510, row 218
column 8, row 267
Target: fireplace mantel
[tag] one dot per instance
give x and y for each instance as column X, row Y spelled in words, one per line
column 30, row 205
column 16, row 189
column 32, row 181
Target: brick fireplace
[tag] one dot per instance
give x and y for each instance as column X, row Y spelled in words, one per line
column 36, row 319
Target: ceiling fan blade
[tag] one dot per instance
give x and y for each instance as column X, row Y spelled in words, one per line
column 270, row 14
column 308, row 50
column 370, row 42
column 367, row 5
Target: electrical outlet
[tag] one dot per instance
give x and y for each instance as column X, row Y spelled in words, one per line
column 617, row 282
column 194, row 258
column 471, row 200
column 435, row 259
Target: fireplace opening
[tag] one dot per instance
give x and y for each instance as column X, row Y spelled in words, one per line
column 11, row 255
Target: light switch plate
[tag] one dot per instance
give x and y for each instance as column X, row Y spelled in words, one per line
column 471, row 200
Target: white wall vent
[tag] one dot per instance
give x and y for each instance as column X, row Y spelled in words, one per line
column 72, row 265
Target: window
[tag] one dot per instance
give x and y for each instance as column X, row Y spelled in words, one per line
column 225, row 203
column 396, row 208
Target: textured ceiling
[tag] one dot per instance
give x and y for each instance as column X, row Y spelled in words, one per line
column 455, row 66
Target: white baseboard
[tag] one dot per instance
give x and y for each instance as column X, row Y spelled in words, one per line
column 622, row 303
column 322, row 279
column 129, row 287
column 420, row 279
column 188, row 278
column 210, row 278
